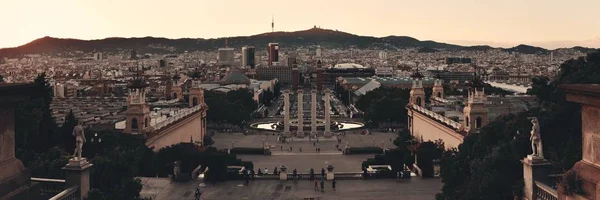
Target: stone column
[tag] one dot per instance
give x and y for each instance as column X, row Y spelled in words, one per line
column 313, row 113
column 77, row 173
column 286, row 112
column 300, row 132
column 534, row 169
column 327, row 104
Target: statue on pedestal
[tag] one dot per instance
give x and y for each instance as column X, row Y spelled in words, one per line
column 79, row 140
column 536, row 139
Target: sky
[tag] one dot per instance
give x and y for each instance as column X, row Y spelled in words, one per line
column 499, row 23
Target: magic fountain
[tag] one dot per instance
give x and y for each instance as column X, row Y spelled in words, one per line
column 299, row 126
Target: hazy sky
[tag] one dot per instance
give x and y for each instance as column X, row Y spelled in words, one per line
column 547, row 23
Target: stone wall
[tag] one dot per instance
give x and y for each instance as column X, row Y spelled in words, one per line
column 428, row 128
column 190, row 127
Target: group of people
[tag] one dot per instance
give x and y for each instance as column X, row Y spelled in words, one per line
column 333, row 183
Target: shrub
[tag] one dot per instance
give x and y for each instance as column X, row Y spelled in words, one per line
column 363, row 150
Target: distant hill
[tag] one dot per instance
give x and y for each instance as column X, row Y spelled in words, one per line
column 314, row 36
column 526, row 49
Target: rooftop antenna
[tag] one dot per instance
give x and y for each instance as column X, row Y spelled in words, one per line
column 225, row 42
column 272, row 23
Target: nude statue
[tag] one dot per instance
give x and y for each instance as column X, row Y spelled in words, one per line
column 536, row 139
column 79, row 140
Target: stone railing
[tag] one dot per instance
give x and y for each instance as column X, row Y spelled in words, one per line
column 440, row 99
column 49, row 187
column 68, row 194
column 179, row 115
column 542, row 191
column 438, row 117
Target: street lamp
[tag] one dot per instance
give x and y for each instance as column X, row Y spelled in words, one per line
column 373, row 141
column 263, row 143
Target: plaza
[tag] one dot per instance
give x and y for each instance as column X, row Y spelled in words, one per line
column 380, row 189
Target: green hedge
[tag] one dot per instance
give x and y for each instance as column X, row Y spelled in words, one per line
column 363, row 150
column 247, row 150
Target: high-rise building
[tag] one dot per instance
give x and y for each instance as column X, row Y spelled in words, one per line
column 226, row 56
column 248, row 58
column 273, row 50
column 318, row 52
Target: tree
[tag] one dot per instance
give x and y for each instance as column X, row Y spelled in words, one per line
column 486, row 165
column 66, row 131
column 35, row 128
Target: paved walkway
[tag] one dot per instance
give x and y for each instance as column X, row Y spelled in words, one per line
column 227, row 140
column 380, row 189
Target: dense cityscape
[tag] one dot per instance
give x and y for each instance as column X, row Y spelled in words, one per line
column 310, row 114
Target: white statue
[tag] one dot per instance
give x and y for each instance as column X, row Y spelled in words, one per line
column 79, row 140
column 536, row 139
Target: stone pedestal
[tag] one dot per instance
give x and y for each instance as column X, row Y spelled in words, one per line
column 283, row 176
column 313, row 113
column 327, row 105
column 330, row 176
column 300, row 131
column 286, row 113
column 534, row 169
column 77, row 172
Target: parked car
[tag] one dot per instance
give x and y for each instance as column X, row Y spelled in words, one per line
column 376, row 168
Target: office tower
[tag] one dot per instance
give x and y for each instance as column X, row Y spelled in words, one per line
column 226, row 56
column 248, row 56
column 318, row 52
column 273, row 50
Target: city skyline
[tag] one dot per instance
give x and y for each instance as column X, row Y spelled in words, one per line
column 549, row 24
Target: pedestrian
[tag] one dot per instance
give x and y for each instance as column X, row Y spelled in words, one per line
column 322, row 172
column 322, row 185
column 260, row 173
column 300, row 149
column 266, row 171
column 291, row 148
column 198, row 194
column 281, row 147
column 316, row 185
column 333, row 184
column 252, row 174
column 314, row 144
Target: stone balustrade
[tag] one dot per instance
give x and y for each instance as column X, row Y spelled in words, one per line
column 179, row 115
column 437, row 117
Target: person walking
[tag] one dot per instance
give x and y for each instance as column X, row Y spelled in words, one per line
column 316, row 185
column 322, row 172
column 260, row 173
column 252, row 174
column 198, row 194
column 333, row 184
column 322, row 185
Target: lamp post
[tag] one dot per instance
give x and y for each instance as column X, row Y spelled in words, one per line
column 232, row 144
column 96, row 140
column 263, row 143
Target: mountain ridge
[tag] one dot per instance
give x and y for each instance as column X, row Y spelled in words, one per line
column 309, row 37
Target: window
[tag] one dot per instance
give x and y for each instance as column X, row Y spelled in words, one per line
column 134, row 123
column 174, row 95
column 439, row 94
column 195, row 101
column 478, row 122
column 418, row 101
column 467, row 120
column 146, row 122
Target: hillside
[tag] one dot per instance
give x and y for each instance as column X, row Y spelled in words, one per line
column 526, row 49
column 314, row 36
